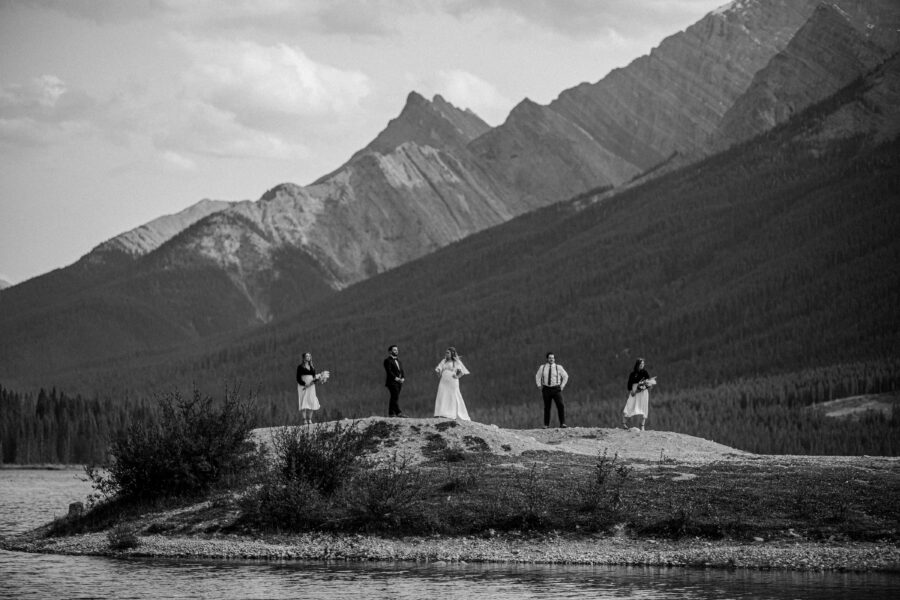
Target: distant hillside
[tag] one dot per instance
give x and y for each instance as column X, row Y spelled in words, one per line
column 768, row 258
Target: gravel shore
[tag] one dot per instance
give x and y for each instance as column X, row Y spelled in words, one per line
column 663, row 452
column 800, row 556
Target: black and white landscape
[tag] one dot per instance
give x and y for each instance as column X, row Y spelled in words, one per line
column 726, row 206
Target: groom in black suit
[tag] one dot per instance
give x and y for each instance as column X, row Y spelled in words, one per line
column 394, row 378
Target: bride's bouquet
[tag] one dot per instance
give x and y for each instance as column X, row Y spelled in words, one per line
column 323, row 376
column 646, row 384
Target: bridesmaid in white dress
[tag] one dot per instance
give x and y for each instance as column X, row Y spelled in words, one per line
column 449, row 402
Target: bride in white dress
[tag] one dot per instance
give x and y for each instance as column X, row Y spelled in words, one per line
column 449, row 402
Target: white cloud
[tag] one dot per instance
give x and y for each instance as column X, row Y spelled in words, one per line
column 178, row 161
column 466, row 90
column 41, row 92
column 251, row 79
column 590, row 18
column 200, row 128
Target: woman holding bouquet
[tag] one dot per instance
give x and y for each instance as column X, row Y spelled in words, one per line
column 639, row 384
column 449, row 402
column 306, row 387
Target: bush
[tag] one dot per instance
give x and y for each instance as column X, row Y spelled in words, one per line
column 195, row 444
column 603, row 491
column 277, row 504
column 310, row 466
column 322, row 457
column 386, row 495
column 121, row 537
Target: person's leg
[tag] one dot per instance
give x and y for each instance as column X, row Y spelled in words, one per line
column 624, row 421
column 560, row 407
column 545, row 394
column 643, row 421
column 393, row 403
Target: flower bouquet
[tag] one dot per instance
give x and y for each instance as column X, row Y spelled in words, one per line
column 323, row 376
column 646, row 384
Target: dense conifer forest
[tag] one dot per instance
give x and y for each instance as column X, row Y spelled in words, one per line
column 766, row 415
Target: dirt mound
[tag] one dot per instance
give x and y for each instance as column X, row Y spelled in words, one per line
column 418, row 439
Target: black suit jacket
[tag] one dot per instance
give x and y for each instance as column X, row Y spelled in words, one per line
column 392, row 370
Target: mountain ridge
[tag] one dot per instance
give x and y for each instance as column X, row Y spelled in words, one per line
column 433, row 176
column 765, row 258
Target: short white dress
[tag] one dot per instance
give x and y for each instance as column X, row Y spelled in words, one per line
column 449, row 401
column 307, row 395
column 639, row 404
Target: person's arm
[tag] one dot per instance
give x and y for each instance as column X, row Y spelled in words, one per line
column 563, row 378
column 461, row 369
column 537, row 376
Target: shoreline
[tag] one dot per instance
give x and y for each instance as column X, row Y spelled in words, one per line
column 500, row 549
column 682, row 468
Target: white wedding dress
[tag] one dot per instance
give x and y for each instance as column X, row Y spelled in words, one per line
column 449, row 402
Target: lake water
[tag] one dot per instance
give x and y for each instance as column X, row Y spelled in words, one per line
column 31, row 497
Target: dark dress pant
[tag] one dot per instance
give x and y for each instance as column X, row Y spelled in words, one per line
column 394, row 402
column 553, row 395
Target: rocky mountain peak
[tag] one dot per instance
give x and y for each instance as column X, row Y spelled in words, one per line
column 280, row 190
column 438, row 124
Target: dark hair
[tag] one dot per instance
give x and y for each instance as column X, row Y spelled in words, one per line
column 637, row 365
column 453, row 354
column 549, row 353
column 392, row 346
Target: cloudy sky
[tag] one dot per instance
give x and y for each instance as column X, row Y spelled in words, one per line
column 115, row 112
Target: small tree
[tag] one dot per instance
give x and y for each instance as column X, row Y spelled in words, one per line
column 193, row 446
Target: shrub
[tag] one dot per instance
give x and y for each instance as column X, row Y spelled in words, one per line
column 193, row 446
column 322, row 456
column 284, row 504
column 310, row 466
column 603, row 491
column 386, row 495
column 121, row 537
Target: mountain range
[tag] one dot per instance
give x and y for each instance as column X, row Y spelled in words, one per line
column 438, row 174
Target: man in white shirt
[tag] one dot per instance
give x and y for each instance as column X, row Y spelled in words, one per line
column 551, row 378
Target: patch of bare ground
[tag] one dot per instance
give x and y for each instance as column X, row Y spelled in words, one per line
column 416, row 438
column 858, row 407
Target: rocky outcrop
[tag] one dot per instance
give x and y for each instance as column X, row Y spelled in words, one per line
column 437, row 124
column 875, row 113
column 825, row 55
column 546, row 157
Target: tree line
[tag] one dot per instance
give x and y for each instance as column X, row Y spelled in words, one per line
column 767, row 415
